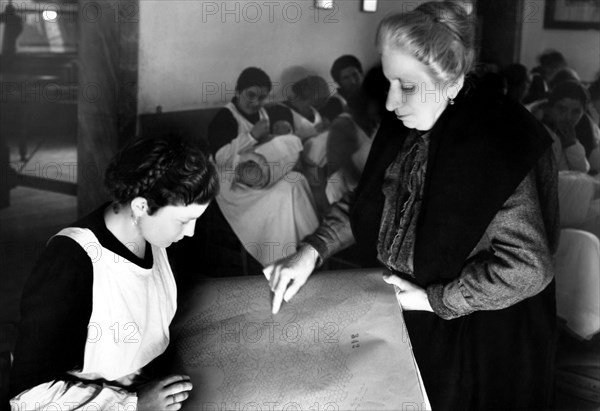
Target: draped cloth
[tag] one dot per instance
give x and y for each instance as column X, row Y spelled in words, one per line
column 272, row 161
column 271, row 221
column 577, row 263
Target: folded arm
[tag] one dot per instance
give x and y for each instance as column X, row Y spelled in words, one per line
column 511, row 262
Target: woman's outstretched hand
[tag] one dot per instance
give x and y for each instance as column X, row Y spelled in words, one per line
column 288, row 275
column 165, row 393
column 411, row 296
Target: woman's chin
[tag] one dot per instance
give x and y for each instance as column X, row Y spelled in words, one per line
column 407, row 123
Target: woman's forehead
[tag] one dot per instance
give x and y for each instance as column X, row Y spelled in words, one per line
column 189, row 211
column 400, row 64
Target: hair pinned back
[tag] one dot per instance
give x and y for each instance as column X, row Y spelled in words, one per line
column 441, row 35
column 164, row 171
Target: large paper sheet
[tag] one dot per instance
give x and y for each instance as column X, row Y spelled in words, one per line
column 340, row 344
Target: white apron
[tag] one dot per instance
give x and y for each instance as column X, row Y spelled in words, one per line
column 271, row 221
column 303, row 127
column 132, row 308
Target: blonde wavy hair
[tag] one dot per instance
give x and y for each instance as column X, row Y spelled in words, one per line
column 441, row 35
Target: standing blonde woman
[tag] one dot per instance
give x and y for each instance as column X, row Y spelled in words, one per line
column 458, row 201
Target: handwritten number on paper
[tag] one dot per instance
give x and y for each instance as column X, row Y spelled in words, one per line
column 354, row 340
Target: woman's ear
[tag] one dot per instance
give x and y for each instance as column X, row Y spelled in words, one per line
column 452, row 88
column 139, row 207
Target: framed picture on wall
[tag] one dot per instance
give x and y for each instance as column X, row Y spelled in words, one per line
column 572, row 14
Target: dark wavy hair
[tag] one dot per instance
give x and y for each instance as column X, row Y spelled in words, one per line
column 342, row 63
column 164, row 171
column 253, row 76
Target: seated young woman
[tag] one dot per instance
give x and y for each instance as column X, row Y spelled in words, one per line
column 308, row 96
column 271, row 216
column 96, row 309
column 576, row 137
column 351, row 135
column 347, row 72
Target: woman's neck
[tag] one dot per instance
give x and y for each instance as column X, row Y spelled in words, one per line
column 120, row 222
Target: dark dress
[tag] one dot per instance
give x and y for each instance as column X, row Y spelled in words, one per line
column 484, row 151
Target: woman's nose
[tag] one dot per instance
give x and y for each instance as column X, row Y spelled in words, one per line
column 189, row 229
column 393, row 100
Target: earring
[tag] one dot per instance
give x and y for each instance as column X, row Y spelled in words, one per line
column 451, row 101
column 135, row 220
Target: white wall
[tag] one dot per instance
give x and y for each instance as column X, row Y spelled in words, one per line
column 192, row 51
column 581, row 48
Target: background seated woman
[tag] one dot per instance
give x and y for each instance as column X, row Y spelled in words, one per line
column 267, row 221
column 347, row 72
column 574, row 148
column 308, row 96
column 351, row 134
column 97, row 307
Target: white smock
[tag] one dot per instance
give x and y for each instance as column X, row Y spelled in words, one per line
column 129, row 327
column 303, row 127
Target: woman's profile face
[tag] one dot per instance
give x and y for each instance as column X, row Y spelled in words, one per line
column 251, row 99
column 170, row 224
column 414, row 96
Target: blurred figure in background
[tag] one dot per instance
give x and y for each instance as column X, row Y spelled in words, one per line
column 347, row 72
column 351, row 135
column 551, row 61
column 13, row 27
column 594, row 106
column 308, row 96
column 577, row 138
column 517, row 81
